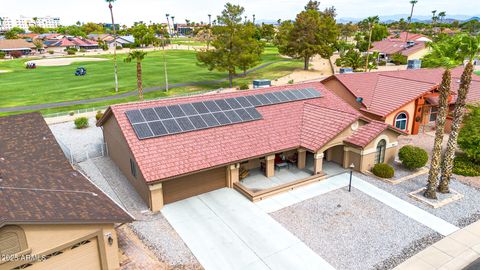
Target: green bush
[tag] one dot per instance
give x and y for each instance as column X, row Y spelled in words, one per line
column 399, row 59
column 383, row 170
column 2, row 55
column 51, row 52
column 71, row 113
column 469, row 137
column 83, row 50
column 413, row 157
column 119, row 48
column 81, row 122
column 99, row 115
column 291, row 81
column 464, row 166
column 244, row 86
column 71, row 52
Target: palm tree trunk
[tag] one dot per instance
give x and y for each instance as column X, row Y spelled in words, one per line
column 458, row 114
column 306, row 62
column 369, row 44
column 115, row 66
column 139, row 80
column 430, row 192
column 230, row 78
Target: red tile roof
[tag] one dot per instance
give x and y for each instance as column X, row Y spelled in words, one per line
column 365, row 134
column 68, row 42
column 403, row 35
column 309, row 123
column 388, row 46
column 385, row 92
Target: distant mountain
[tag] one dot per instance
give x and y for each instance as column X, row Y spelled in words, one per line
column 416, row 18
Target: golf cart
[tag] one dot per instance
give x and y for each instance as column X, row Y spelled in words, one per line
column 81, row 71
column 31, row 65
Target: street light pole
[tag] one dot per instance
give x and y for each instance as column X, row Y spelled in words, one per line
column 352, row 166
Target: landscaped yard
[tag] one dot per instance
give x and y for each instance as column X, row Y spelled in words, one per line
column 22, row 87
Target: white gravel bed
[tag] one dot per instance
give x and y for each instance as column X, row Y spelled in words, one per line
column 153, row 229
column 460, row 213
column 401, row 171
column 352, row 230
column 78, row 140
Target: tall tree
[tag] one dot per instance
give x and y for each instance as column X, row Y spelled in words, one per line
column 209, row 19
column 413, row 2
column 137, row 56
column 144, row 35
column 168, row 23
column 370, row 22
column 312, row 33
column 231, row 44
column 442, row 15
column 469, row 49
column 173, row 24
column 115, row 66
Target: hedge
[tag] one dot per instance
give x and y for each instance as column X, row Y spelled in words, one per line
column 383, row 170
column 413, row 157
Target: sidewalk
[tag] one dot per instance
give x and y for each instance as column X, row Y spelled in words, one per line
column 454, row 252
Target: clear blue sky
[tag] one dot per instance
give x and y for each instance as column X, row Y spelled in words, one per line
column 128, row 11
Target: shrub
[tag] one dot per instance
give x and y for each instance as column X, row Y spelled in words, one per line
column 469, row 137
column 382, row 63
column 16, row 54
column 51, row 52
column 291, row 81
column 464, row 166
column 71, row 52
column 81, row 122
column 413, row 157
column 83, row 50
column 244, row 86
column 99, row 115
column 383, row 170
column 119, row 47
column 399, row 59
column 2, row 55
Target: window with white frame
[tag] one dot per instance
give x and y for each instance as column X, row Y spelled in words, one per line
column 401, row 121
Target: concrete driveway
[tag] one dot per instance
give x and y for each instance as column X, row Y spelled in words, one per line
column 226, row 231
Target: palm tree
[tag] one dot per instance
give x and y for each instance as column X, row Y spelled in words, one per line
column 138, row 56
column 115, row 66
column 351, row 59
column 413, row 2
column 434, row 18
column 35, row 20
column 173, row 24
column 168, row 23
column 209, row 19
column 442, row 15
column 253, row 18
column 371, row 22
column 469, row 49
column 434, row 172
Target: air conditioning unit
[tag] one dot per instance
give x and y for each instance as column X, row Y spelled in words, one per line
column 262, row 83
column 346, row 70
column 414, row 64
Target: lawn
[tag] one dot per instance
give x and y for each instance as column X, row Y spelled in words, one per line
column 56, row 84
column 477, row 72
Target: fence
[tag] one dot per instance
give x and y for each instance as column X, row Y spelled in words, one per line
column 93, row 150
column 74, row 112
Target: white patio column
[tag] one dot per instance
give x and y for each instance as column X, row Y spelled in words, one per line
column 318, row 163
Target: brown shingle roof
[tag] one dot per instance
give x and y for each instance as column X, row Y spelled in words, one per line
column 15, row 44
column 38, row 185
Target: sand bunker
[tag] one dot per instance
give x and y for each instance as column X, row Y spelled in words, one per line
column 4, row 71
column 54, row 62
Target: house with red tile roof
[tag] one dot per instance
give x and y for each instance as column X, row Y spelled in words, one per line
column 172, row 149
column 410, row 45
column 51, row 215
column 71, row 42
column 406, row 99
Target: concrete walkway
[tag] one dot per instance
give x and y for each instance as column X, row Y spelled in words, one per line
column 226, row 231
column 454, row 252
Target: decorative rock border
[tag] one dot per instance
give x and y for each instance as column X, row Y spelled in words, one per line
column 443, row 200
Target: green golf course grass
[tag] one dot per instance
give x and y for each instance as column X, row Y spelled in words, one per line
column 22, row 87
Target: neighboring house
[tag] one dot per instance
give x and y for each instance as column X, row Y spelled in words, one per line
column 78, row 43
column 413, row 48
column 406, row 99
column 51, row 216
column 110, row 39
column 19, row 45
column 172, row 149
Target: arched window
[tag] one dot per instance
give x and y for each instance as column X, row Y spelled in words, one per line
column 401, row 121
column 12, row 240
column 380, row 153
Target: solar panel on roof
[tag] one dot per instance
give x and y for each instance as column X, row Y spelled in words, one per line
column 233, row 116
column 212, row 106
column 158, row 128
column 254, row 113
column 244, row 102
column 188, row 109
column 314, row 92
column 198, row 121
column 244, row 115
column 253, row 100
column 281, row 96
column 233, row 103
column 298, row 94
column 142, row 130
column 221, row 118
column 210, row 120
column 290, row 95
column 264, row 100
column 223, row 104
column 163, row 113
column 176, row 110
column 149, row 114
column 135, row 116
column 185, row 124
column 307, row 93
column 272, row 98
column 171, row 126
column 200, row 107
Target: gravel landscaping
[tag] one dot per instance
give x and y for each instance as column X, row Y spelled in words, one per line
column 351, row 230
column 153, row 229
column 460, row 213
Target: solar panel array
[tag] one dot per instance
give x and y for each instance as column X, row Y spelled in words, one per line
column 173, row 119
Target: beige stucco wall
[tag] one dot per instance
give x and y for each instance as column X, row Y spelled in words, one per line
column 418, row 54
column 368, row 159
column 340, row 90
column 120, row 153
column 409, row 108
column 46, row 239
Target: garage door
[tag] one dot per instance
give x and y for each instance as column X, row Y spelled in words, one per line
column 188, row 186
column 83, row 255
